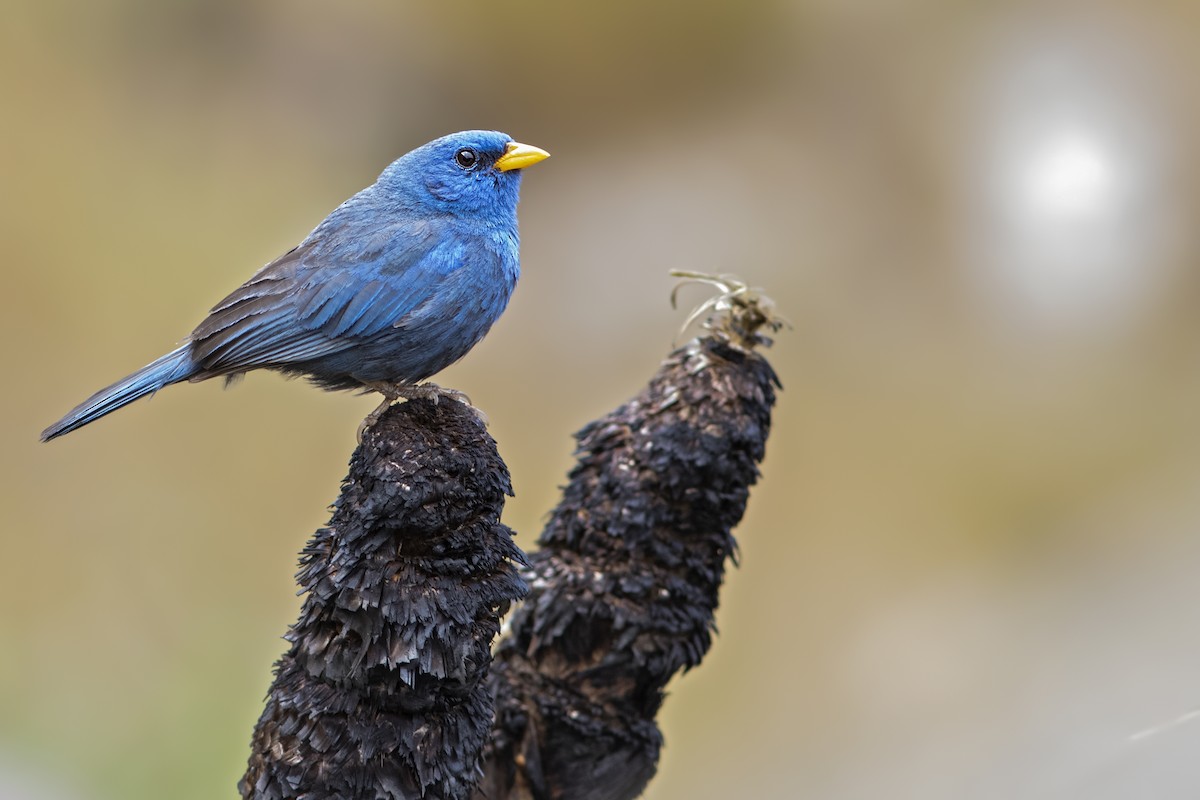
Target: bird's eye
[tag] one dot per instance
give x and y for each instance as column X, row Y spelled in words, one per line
column 466, row 158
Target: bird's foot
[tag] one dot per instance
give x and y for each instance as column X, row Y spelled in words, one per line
column 421, row 391
column 434, row 392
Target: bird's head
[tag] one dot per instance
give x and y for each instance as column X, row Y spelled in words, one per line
column 468, row 173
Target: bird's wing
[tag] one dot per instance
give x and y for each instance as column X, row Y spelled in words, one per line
column 331, row 292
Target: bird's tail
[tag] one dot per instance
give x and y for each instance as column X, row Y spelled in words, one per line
column 171, row 368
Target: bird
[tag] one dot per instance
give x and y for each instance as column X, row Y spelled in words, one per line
column 397, row 283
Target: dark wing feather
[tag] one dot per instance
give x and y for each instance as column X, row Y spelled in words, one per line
column 326, row 295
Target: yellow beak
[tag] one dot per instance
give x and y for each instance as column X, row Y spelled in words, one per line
column 519, row 156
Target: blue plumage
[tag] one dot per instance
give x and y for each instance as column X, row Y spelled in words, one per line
column 399, row 282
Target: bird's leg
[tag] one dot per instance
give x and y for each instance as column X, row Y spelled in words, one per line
column 391, row 393
column 428, row 391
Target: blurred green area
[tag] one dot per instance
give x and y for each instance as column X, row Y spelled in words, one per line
column 970, row 569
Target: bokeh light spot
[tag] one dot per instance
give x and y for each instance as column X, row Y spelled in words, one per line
column 1068, row 177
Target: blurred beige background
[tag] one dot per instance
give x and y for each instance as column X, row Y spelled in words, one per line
column 970, row 569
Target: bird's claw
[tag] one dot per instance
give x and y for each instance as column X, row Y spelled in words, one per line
column 421, row 391
column 435, row 392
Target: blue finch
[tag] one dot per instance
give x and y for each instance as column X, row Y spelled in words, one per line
column 399, row 282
